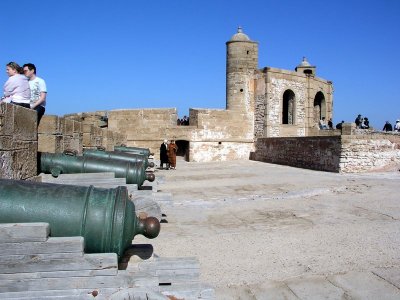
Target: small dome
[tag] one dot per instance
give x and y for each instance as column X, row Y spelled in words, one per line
column 304, row 63
column 240, row 36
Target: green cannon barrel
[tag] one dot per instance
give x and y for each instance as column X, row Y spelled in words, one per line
column 144, row 151
column 104, row 217
column 58, row 163
column 125, row 156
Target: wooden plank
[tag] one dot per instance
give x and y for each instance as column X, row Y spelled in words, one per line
column 24, row 232
column 98, row 294
column 59, row 274
column 188, row 291
column 52, row 245
column 8, row 259
column 38, row 263
column 121, row 280
column 170, row 263
column 103, row 293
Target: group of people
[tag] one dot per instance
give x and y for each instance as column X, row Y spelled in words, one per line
column 389, row 127
column 362, row 122
column 25, row 88
column 183, row 121
column 168, row 151
column 325, row 125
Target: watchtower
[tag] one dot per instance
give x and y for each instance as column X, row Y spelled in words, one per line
column 241, row 62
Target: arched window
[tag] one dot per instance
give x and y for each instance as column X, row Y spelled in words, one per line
column 288, row 108
column 319, row 107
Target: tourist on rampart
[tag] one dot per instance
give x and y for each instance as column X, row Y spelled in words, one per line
column 387, row 127
column 397, row 126
column 322, row 124
column 38, row 90
column 16, row 89
column 339, row 125
column 365, row 123
column 330, row 123
column 358, row 121
column 164, row 155
column 185, row 121
column 172, row 149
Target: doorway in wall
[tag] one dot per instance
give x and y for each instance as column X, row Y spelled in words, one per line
column 183, row 149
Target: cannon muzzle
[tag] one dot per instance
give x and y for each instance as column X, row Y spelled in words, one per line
column 150, row 176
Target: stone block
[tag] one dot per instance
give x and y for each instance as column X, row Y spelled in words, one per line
column 87, row 128
column 50, row 143
column 25, row 123
column 73, row 143
column 50, row 124
column 67, row 126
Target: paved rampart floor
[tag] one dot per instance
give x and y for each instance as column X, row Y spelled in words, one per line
column 263, row 231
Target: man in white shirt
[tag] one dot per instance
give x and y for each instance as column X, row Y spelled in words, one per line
column 38, row 90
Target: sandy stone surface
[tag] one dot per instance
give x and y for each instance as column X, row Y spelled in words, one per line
column 252, row 223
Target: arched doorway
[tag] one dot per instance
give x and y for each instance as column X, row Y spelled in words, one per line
column 288, row 103
column 319, row 107
column 183, row 149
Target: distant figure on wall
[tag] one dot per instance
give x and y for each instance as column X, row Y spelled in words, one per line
column 339, row 125
column 38, row 90
column 164, row 155
column 322, row 124
column 397, row 126
column 330, row 124
column 387, row 127
column 365, row 123
column 172, row 149
column 358, row 121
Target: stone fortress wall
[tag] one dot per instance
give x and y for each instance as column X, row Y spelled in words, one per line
column 271, row 115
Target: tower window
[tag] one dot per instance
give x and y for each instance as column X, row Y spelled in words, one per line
column 288, row 108
column 241, row 90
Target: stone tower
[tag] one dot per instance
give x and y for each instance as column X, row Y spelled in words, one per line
column 241, row 62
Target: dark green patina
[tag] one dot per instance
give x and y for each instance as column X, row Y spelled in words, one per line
column 144, row 151
column 125, row 156
column 104, row 217
column 68, row 163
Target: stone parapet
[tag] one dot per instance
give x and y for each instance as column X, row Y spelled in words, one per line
column 317, row 153
column 370, row 152
column 345, row 153
column 57, row 134
column 18, row 142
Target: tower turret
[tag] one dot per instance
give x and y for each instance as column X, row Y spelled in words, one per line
column 241, row 62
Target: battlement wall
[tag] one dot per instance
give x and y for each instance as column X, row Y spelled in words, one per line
column 371, row 151
column 18, row 142
column 57, row 134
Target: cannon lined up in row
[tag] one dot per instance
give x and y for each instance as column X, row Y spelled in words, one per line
column 68, row 163
column 143, row 151
column 104, row 217
column 126, row 156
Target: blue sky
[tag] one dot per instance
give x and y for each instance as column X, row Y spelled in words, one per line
column 104, row 55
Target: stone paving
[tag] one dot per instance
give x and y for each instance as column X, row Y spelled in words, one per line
column 263, row 231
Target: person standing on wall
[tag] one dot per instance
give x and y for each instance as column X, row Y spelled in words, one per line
column 38, row 90
column 16, row 88
column 172, row 149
